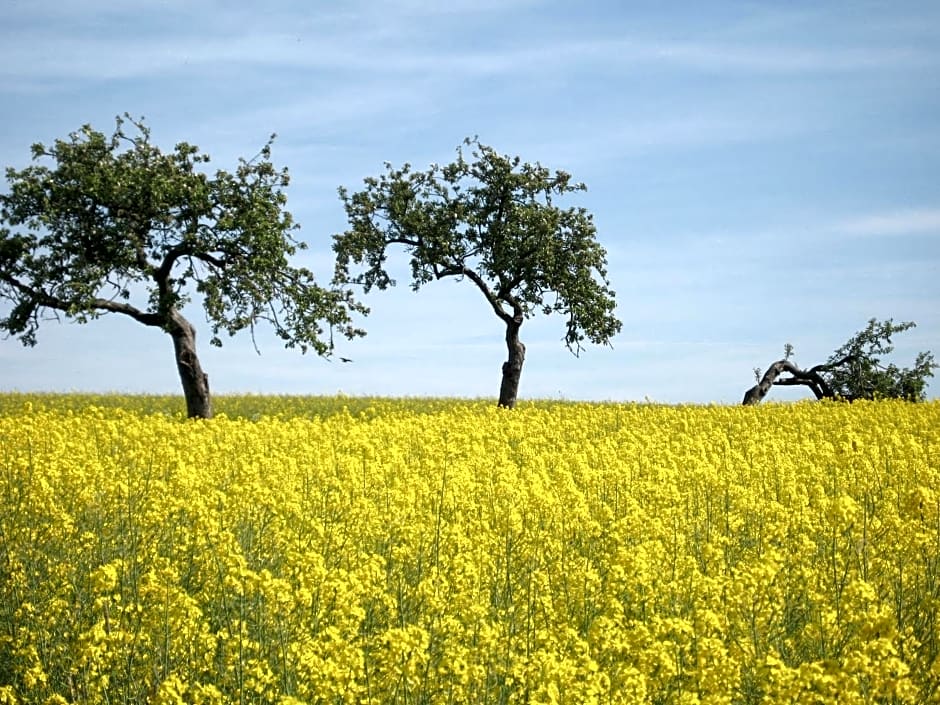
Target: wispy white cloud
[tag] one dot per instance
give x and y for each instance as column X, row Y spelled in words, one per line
column 607, row 140
column 785, row 59
column 899, row 222
column 424, row 8
column 388, row 42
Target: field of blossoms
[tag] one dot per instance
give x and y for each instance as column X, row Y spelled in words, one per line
column 341, row 550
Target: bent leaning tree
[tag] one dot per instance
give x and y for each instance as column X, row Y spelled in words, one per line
column 854, row 371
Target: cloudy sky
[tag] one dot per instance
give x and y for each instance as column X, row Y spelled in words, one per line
column 759, row 172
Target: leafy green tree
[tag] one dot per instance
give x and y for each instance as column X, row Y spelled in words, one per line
column 492, row 222
column 114, row 219
column 854, row 370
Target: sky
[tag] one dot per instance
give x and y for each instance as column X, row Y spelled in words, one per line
column 760, row 173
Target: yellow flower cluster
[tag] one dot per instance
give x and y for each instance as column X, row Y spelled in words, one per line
column 374, row 551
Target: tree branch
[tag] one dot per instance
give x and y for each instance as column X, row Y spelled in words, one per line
column 403, row 241
column 145, row 317
column 801, row 381
column 47, row 300
column 490, row 296
column 807, row 378
column 184, row 250
column 810, row 378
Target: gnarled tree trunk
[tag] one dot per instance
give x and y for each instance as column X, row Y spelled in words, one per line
column 512, row 368
column 195, row 381
column 807, row 378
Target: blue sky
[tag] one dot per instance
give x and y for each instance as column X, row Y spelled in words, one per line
column 759, row 173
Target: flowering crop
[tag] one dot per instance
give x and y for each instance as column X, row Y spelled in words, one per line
column 454, row 552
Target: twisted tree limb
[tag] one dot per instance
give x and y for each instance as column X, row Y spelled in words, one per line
column 808, row 378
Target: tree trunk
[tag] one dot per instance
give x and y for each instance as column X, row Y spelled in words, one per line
column 512, row 368
column 756, row 394
column 807, row 378
column 195, row 381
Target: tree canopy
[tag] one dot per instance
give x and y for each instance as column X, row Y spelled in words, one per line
column 491, row 220
column 854, row 371
column 115, row 225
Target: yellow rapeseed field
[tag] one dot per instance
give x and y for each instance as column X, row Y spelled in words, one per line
column 373, row 551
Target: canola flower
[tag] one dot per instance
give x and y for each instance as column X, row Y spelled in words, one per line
column 450, row 552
